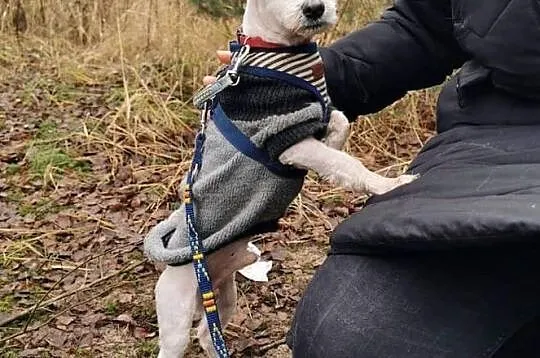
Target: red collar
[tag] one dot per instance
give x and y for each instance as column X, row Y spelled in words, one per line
column 257, row 42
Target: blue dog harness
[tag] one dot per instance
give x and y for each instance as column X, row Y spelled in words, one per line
column 212, row 110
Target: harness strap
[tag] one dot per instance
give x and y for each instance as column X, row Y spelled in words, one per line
column 242, row 142
column 245, row 146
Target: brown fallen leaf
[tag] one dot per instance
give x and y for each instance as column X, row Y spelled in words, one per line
column 93, row 319
column 254, row 324
column 65, row 320
column 279, row 253
column 125, row 318
column 125, row 298
column 246, row 343
column 31, row 353
column 140, row 332
column 56, row 337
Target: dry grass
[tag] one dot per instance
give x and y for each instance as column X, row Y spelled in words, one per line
column 161, row 49
column 125, row 71
column 158, row 49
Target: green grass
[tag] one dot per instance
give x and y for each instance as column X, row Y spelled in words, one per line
column 111, row 308
column 39, row 209
column 148, row 348
column 8, row 353
column 47, row 158
column 334, row 199
column 54, row 92
column 6, row 303
column 83, row 353
column 13, row 169
column 116, row 95
column 15, row 195
column 28, row 91
column 50, row 159
column 47, row 131
column 64, row 93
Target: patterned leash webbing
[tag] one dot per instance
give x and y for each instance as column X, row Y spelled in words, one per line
column 197, row 248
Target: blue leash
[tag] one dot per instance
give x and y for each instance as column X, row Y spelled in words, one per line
column 197, row 248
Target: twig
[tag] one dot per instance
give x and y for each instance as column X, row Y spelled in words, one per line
column 162, row 199
column 273, row 345
column 23, row 231
column 33, row 329
column 57, row 283
column 41, row 304
column 247, row 303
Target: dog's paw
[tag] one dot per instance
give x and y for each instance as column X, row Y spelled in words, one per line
column 407, row 178
column 380, row 187
column 337, row 131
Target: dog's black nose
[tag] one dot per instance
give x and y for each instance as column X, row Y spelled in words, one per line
column 314, row 11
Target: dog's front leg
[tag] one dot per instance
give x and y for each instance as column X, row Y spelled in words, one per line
column 339, row 167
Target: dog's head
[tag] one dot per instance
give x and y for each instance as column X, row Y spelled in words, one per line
column 288, row 22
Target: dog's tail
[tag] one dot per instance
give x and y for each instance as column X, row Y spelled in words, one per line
column 167, row 242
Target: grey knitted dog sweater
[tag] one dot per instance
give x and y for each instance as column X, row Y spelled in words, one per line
column 234, row 195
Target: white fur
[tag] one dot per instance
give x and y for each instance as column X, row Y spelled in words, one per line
column 332, row 164
column 177, row 298
column 282, row 21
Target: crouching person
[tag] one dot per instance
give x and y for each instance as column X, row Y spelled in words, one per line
column 446, row 266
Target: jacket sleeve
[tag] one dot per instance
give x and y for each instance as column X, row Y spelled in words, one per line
column 411, row 47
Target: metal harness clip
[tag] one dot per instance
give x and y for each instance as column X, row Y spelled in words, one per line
column 228, row 79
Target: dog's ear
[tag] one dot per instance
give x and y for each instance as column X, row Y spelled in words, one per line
column 229, row 259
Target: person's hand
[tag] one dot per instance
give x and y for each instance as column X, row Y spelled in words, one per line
column 225, row 58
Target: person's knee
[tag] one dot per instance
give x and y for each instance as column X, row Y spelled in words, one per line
column 320, row 326
column 311, row 334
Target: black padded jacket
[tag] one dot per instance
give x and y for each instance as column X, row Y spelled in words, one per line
column 480, row 176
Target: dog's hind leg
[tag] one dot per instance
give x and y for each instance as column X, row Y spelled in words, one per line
column 226, row 301
column 176, row 304
column 222, row 265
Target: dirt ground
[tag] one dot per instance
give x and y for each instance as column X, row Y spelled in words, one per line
column 77, row 194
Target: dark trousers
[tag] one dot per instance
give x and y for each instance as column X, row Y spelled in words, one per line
column 460, row 304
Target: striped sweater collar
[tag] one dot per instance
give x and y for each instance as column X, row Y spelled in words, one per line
column 307, row 66
column 302, row 61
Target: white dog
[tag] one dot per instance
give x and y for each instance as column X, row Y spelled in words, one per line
column 288, row 23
